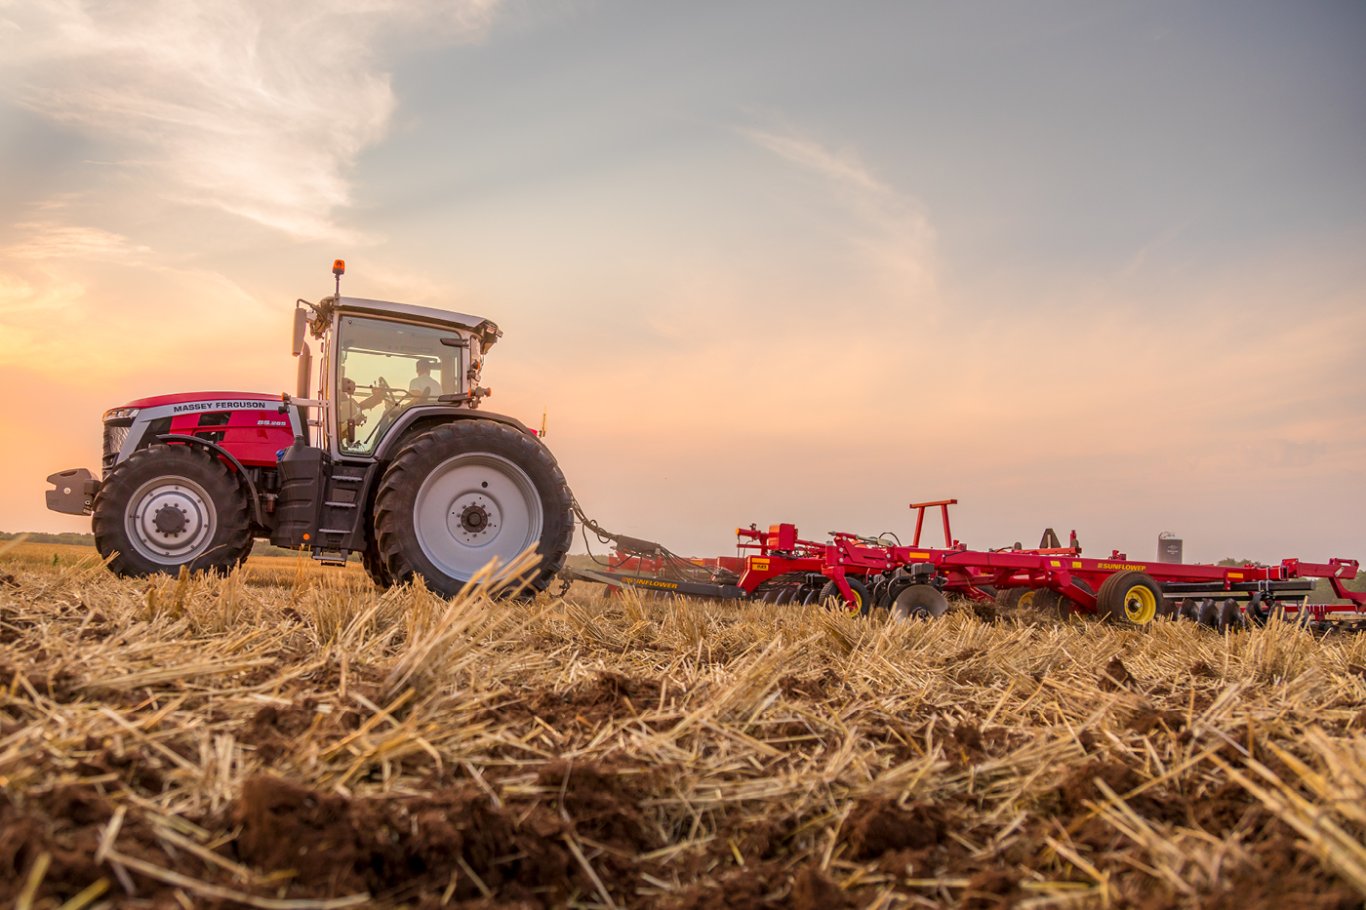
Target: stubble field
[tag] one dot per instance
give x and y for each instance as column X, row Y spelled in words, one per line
column 290, row 737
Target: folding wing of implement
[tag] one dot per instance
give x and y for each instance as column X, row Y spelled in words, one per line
column 865, row 573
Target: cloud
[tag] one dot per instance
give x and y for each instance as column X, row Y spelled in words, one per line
column 841, row 167
column 45, row 240
column 892, row 232
column 258, row 109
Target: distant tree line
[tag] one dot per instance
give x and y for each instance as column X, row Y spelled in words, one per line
column 71, row 537
column 260, row 548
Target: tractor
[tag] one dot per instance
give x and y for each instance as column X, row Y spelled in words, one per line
column 412, row 474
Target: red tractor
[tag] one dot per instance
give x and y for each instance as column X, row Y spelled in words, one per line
column 412, row 475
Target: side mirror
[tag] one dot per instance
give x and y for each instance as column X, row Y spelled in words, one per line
column 300, row 328
column 305, row 367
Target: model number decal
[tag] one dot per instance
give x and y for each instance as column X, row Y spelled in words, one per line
column 758, row 565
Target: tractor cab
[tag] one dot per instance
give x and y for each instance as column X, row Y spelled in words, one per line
column 381, row 360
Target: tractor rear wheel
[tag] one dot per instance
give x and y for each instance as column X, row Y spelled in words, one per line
column 1132, row 598
column 462, row 494
column 374, row 565
column 919, row 602
column 169, row 506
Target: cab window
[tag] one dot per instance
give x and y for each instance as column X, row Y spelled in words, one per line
column 384, row 367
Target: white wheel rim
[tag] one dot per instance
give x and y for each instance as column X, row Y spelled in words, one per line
column 170, row 520
column 475, row 508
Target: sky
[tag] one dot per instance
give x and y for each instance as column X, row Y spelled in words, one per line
column 1094, row 266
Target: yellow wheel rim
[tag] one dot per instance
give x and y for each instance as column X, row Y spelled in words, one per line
column 1027, row 598
column 1140, row 605
column 857, row 606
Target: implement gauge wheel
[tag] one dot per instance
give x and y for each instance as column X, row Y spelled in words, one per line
column 170, row 506
column 462, row 494
column 1131, row 598
column 861, row 594
column 1042, row 600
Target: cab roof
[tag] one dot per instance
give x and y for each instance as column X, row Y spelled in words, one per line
column 486, row 329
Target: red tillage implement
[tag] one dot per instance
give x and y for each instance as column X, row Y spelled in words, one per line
column 781, row 567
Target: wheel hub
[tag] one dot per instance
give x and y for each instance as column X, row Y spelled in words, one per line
column 170, row 521
column 474, row 519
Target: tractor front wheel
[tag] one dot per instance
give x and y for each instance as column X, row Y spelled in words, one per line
column 463, row 494
column 170, row 506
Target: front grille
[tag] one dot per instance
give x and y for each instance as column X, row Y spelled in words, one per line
column 114, row 436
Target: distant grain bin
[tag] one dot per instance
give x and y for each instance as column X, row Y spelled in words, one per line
column 1168, row 547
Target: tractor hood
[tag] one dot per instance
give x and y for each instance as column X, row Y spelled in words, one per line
column 156, row 401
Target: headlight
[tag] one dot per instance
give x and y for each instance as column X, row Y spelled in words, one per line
column 120, row 414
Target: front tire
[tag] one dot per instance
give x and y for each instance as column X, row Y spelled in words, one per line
column 170, row 506
column 465, row 493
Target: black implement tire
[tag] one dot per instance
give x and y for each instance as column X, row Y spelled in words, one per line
column 1040, row 599
column 861, row 594
column 169, row 506
column 1130, row 598
column 1010, row 598
column 463, row 493
column 921, row 602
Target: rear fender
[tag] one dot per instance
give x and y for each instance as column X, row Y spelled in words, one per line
column 417, row 419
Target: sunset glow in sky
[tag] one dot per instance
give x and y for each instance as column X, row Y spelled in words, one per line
column 1094, row 266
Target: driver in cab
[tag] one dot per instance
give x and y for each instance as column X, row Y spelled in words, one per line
column 350, row 412
column 424, row 386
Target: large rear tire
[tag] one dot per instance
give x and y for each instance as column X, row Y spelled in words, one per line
column 169, row 506
column 374, row 565
column 462, row 494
